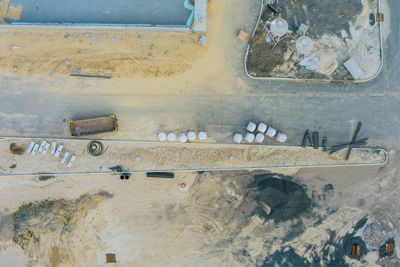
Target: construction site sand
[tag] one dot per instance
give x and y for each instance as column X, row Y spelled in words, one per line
column 148, row 222
column 121, row 53
column 160, row 156
column 9, row 11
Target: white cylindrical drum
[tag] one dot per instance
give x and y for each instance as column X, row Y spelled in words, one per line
column 262, row 127
column 260, row 137
column 171, row 137
column 182, row 138
column 161, row 136
column 249, row 137
column 281, row 137
column 237, row 138
column 202, row 135
column 251, row 127
column 191, row 136
column 271, row 132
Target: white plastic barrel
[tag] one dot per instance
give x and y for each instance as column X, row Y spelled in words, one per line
column 249, row 137
column 191, row 136
column 202, row 135
column 171, row 137
column 182, row 138
column 237, row 138
column 271, row 132
column 251, row 127
column 262, row 127
column 162, row 136
column 260, row 137
column 281, row 137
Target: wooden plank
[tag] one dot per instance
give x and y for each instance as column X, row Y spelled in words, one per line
column 200, row 15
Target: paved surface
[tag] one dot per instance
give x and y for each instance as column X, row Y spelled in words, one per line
column 156, row 12
column 292, row 107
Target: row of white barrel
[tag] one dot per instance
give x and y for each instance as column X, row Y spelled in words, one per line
column 257, row 134
column 54, row 150
column 182, row 137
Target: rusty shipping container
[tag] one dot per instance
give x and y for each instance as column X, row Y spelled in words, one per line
column 93, row 126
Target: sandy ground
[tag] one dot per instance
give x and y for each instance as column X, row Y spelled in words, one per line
column 223, row 219
column 164, row 156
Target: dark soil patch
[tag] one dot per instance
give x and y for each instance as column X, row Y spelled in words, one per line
column 382, row 249
column 286, row 257
column 344, row 245
column 322, row 17
column 264, row 57
column 287, row 199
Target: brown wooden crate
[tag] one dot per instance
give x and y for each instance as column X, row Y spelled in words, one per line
column 110, row 258
column 389, row 247
column 355, row 249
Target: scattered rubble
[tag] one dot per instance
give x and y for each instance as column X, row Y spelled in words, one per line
column 319, row 42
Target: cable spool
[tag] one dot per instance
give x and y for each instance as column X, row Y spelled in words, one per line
column 95, row 148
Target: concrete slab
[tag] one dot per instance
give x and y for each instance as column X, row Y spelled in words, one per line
column 152, row 12
column 200, row 16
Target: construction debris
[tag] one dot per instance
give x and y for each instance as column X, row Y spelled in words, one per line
column 310, row 62
column 306, row 137
column 125, row 176
column 58, row 151
column 380, row 17
column 169, row 175
column 354, row 69
column 91, row 75
column 64, row 157
column 243, row 36
column 19, row 150
column 314, row 28
column 354, row 138
column 202, row 40
column 315, row 137
column 110, row 258
column 95, row 148
column 183, row 187
column 325, row 143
